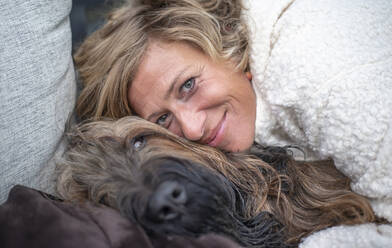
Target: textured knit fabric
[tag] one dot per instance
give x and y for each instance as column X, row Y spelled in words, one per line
column 361, row 236
column 37, row 88
column 322, row 73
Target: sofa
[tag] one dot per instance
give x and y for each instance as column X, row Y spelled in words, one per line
column 37, row 90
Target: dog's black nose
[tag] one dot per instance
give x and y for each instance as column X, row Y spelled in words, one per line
column 167, row 201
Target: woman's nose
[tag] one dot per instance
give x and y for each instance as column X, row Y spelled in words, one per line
column 192, row 124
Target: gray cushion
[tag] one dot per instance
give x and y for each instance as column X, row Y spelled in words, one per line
column 37, row 89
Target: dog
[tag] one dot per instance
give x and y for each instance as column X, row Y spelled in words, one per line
column 171, row 186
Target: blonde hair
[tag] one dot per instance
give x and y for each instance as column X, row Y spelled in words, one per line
column 108, row 59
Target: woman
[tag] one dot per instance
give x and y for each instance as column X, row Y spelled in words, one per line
column 181, row 66
column 319, row 77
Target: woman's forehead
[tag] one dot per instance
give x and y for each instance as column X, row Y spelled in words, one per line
column 163, row 64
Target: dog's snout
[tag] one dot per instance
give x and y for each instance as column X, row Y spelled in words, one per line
column 167, row 201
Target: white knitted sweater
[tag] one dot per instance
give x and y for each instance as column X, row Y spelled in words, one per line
column 322, row 72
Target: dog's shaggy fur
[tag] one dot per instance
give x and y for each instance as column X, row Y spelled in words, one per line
column 262, row 198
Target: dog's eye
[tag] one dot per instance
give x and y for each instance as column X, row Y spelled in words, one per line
column 138, row 142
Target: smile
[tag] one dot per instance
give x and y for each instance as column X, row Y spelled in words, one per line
column 217, row 134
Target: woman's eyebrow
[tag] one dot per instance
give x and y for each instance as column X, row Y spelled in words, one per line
column 173, row 83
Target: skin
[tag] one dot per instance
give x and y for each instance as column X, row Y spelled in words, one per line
column 182, row 89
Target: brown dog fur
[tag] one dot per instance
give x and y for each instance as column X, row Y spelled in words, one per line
column 304, row 196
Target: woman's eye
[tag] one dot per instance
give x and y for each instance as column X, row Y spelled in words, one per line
column 188, row 85
column 162, row 119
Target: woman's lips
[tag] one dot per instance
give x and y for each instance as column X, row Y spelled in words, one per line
column 218, row 133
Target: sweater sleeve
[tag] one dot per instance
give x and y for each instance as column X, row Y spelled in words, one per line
column 360, row 236
column 324, row 83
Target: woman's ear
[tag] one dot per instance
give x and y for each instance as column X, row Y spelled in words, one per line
column 248, row 75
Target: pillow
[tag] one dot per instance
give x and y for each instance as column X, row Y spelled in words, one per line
column 37, row 89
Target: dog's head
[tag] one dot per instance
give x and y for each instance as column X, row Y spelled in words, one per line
column 181, row 197
column 165, row 183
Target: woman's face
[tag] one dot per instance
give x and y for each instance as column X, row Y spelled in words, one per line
column 183, row 90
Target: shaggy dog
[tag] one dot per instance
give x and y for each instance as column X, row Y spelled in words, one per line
column 170, row 186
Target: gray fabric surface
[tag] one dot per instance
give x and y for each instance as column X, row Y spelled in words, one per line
column 37, row 89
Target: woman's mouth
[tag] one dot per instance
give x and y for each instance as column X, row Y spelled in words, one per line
column 217, row 134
